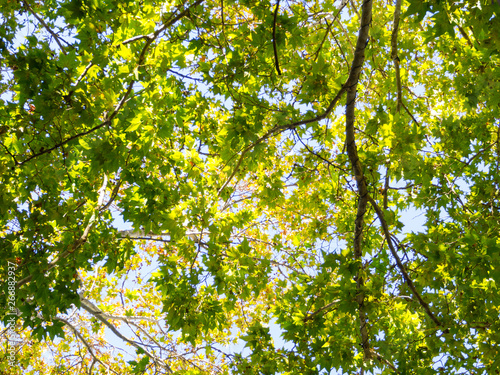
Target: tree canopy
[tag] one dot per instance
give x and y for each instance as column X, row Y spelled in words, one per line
column 229, row 187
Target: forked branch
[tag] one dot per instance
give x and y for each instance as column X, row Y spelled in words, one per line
column 86, row 343
column 99, row 315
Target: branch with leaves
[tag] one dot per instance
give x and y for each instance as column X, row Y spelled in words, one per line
column 394, row 52
column 352, row 152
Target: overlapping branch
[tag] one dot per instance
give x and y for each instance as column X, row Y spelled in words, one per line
column 324, row 309
column 355, row 69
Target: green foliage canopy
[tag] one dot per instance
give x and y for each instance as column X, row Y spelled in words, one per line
column 264, row 154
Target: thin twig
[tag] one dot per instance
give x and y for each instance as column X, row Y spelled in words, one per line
column 353, row 7
column 87, row 345
column 387, row 362
column 154, row 239
column 410, row 114
column 11, row 155
column 30, row 9
column 112, row 197
column 185, row 76
column 328, row 162
column 346, row 33
column 177, row 17
column 66, row 141
column 84, row 73
column 328, row 28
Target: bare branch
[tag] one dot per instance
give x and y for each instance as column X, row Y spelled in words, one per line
column 84, row 73
column 280, row 129
column 353, row 7
column 67, row 140
column 112, row 197
column 382, row 359
column 129, row 319
column 410, row 114
column 138, row 37
column 174, row 18
column 11, row 155
column 328, row 162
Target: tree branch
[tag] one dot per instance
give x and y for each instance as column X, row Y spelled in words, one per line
column 101, row 316
column 87, row 345
column 137, row 37
column 328, row 162
column 30, row 9
column 399, row 263
column 410, row 114
column 276, row 61
column 279, row 129
column 394, row 52
column 174, row 18
column 464, row 34
column 107, row 121
column 84, row 73
column 353, row 7
column 320, row 310
column 78, row 243
column 382, row 359
column 142, row 238
column 352, row 152
column 11, row 155
column 129, row 319
column 112, row 197
column 328, row 29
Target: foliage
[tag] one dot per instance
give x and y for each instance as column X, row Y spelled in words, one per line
column 265, row 161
